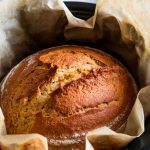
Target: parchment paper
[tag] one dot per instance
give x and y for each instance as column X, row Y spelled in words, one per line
column 119, row 27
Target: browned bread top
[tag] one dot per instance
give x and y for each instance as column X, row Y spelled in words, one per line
column 23, row 142
column 30, row 145
column 64, row 92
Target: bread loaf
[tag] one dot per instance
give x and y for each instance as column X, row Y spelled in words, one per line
column 64, row 92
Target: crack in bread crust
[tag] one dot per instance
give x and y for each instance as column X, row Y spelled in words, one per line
column 75, row 93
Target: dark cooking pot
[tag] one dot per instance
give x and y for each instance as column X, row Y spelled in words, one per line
column 84, row 9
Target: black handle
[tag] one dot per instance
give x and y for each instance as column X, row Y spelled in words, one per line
column 81, row 10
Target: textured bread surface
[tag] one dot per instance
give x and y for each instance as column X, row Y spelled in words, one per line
column 30, row 145
column 64, row 92
column 23, row 142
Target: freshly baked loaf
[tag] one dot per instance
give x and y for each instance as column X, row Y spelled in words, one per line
column 64, row 92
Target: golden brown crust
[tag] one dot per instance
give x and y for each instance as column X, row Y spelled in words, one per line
column 34, row 144
column 64, row 92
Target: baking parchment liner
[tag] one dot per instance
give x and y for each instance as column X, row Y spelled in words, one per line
column 122, row 27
